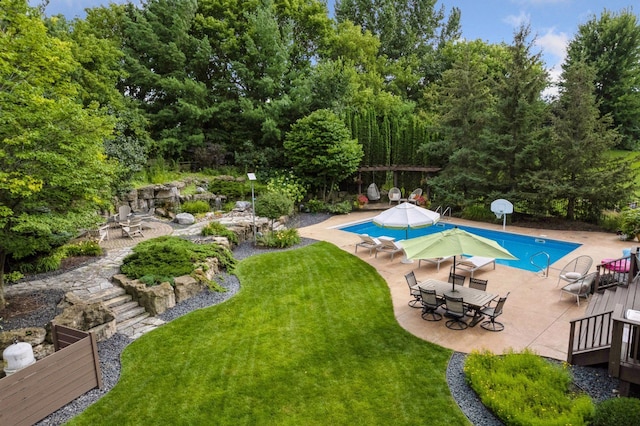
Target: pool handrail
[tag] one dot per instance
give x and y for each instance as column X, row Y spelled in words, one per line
column 542, row 269
column 444, row 213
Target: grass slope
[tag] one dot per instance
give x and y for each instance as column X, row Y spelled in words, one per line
column 310, row 340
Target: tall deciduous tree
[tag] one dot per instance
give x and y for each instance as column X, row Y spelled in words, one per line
column 320, row 150
column 411, row 34
column 611, row 45
column 53, row 171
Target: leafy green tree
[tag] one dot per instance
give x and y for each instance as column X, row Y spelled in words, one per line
column 611, row 45
column 273, row 205
column 411, row 34
column 578, row 173
column 53, row 171
column 320, row 149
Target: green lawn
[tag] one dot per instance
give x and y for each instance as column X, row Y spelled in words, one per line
column 309, row 340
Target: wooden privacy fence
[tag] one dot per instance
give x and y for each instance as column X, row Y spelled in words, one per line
column 31, row 394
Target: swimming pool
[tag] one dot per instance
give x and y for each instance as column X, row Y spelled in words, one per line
column 521, row 246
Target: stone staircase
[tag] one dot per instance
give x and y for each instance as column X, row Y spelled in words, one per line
column 131, row 319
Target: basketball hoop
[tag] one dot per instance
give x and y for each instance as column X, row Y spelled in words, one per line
column 502, row 208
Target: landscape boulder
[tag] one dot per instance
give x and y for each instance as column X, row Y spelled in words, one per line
column 185, row 219
column 94, row 317
column 186, row 287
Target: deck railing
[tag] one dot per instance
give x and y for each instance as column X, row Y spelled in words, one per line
column 624, row 357
column 589, row 333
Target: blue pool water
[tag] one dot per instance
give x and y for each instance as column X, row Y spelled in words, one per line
column 521, row 246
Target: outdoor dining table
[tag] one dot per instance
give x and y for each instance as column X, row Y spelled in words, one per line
column 475, row 299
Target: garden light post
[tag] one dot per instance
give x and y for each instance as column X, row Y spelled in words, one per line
column 252, row 177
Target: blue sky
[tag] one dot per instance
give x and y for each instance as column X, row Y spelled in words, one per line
column 554, row 22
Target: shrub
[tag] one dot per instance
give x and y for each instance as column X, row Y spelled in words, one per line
column 217, row 229
column 478, row 212
column 288, row 183
column 279, row 239
column 611, row 221
column 83, row 248
column 316, row 206
column 340, row 208
column 274, row 205
column 525, row 389
column 195, row 206
column 630, row 224
column 617, row 412
column 167, row 257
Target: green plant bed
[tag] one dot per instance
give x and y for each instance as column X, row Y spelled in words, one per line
column 310, row 339
column 164, row 258
column 525, row 389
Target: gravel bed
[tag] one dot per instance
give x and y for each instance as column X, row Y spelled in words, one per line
column 594, row 381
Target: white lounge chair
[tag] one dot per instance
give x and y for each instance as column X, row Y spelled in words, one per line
column 388, row 246
column 413, row 197
column 367, row 242
column 474, row 263
column 436, row 260
column 576, row 269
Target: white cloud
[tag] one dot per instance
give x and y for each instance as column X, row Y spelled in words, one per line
column 516, row 20
column 554, row 44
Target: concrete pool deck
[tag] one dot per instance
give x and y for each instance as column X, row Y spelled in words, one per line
column 534, row 315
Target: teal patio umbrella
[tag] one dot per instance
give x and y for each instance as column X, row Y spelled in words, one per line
column 454, row 242
column 406, row 216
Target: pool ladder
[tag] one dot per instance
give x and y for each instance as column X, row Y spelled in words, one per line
column 446, row 212
column 544, row 270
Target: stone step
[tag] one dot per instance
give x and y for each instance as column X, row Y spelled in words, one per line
column 117, row 301
column 130, row 322
column 128, row 310
column 106, row 294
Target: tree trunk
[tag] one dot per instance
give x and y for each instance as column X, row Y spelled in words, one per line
column 3, row 257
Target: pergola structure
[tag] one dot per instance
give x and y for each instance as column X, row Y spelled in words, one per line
column 394, row 168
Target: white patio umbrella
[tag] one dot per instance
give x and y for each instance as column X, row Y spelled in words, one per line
column 454, row 242
column 406, row 216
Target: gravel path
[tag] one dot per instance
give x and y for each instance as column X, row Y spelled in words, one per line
column 594, row 381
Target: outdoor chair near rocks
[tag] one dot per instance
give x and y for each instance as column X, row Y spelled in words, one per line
column 493, row 312
column 579, row 288
column 576, row 269
column 456, row 311
column 430, row 304
column 132, row 228
column 414, row 290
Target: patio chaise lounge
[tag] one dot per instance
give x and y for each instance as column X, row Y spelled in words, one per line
column 388, row 246
column 474, row 263
column 435, row 260
column 367, row 242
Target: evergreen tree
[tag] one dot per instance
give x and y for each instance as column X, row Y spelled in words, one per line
column 578, row 172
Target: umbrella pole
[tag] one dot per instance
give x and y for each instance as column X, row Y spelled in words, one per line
column 453, row 279
column 406, row 237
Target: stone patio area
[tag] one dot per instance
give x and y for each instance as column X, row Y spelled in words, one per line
column 534, row 315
